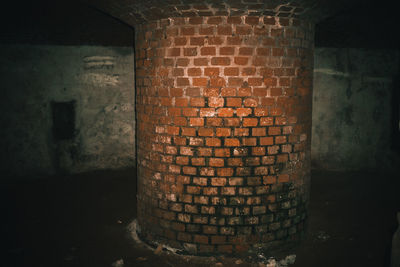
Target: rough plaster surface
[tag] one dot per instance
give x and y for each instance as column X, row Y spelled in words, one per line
column 352, row 108
column 99, row 79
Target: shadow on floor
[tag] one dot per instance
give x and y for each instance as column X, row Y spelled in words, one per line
column 80, row 220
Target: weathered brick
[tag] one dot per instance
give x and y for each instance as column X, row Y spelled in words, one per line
column 202, row 239
column 241, row 60
column 243, row 112
column 205, row 132
column 222, row 152
column 196, row 20
column 207, row 112
column 197, row 101
column 226, row 211
column 198, row 161
column 180, row 41
column 217, row 82
column 214, row 20
column 250, row 122
column 208, row 210
column 266, row 141
column 233, row 102
column 282, row 158
column 272, row 150
column 184, row 237
column 258, row 151
column 249, row 141
column 243, row 29
column 187, row 31
column 235, row 81
column 250, row 102
column 274, row 130
column 225, row 112
column 213, row 142
column 223, row 132
column 225, row 172
column 232, row 142
column 183, row 217
column 200, row 181
column 221, row 61
column 196, row 121
column 211, row 72
column 231, row 122
column 258, row 131
column 228, row 191
column 181, row 102
column 231, row 71
column 235, row 181
column 182, row 160
column 215, row 40
column 188, row 52
column 208, row 51
column 210, row 191
column 194, row 71
column 280, row 139
column 182, row 62
column 216, row 101
column 266, row 121
column 252, row 20
column 218, row 181
column 241, row 132
column 200, row 61
column 191, row 208
column 199, row 82
column 207, row 172
column 224, row 29
column 206, row 30
column 218, row 239
column 234, row 20
column 228, row 50
column 235, row 162
column 208, row 229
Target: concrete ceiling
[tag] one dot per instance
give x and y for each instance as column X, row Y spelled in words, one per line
column 60, row 22
column 339, row 23
column 371, row 24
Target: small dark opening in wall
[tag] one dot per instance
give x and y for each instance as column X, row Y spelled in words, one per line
column 396, row 114
column 63, row 120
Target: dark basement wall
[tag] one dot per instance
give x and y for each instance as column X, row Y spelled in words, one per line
column 100, row 82
column 352, row 108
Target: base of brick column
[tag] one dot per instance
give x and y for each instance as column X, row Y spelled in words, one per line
column 262, row 253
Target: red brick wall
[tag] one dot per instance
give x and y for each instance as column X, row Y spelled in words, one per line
column 224, row 120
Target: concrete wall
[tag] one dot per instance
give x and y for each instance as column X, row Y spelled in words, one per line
column 352, row 105
column 351, row 108
column 99, row 79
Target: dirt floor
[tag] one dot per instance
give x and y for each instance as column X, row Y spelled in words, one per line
column 81, row 220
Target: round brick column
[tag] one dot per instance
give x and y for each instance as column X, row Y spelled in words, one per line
column 224, row 123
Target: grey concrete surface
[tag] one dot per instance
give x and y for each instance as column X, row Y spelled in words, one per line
column 352, row 105
column 101, row 82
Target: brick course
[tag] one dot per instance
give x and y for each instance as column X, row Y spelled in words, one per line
column 224, row 119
